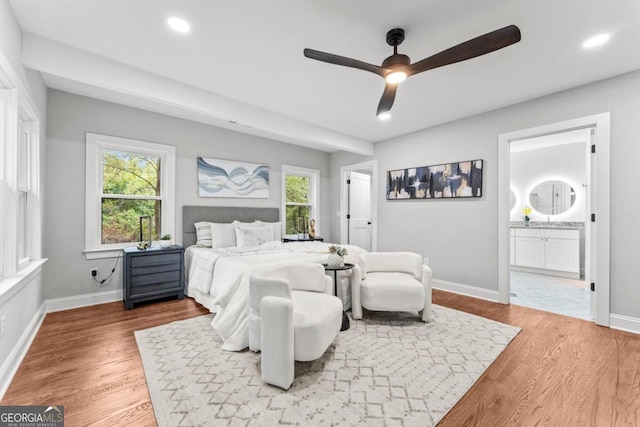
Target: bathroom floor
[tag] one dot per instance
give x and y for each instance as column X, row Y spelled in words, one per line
column 551, row 293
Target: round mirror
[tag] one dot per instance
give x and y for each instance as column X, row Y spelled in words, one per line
column 552, row 197
column 513, row 200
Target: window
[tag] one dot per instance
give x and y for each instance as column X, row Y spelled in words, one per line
column 19, row 186
column 22, row 224
column 127, row 180
column 130, row 190
column 300, row 198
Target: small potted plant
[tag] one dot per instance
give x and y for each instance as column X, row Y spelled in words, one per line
column 526, row 211
column 336, row 256
column 165, row 240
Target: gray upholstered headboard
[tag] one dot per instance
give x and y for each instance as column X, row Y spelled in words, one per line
column 223, row 214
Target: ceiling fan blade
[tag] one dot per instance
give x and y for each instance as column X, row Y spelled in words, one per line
column 388, row 96
column 478, row 46
column 341, row 60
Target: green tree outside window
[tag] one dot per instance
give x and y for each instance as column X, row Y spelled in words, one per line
column 298, row 189
column 130, row 189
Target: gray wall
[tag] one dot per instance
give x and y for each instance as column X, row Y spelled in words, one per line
column 11, row 39
column 71, row 116
column 460, row 236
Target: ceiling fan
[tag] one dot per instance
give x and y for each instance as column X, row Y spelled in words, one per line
column 398, row 67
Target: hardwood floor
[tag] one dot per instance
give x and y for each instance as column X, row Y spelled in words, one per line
column 558, row 371
column 87, row 360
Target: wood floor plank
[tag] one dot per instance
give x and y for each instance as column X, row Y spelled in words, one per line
column 558, row 371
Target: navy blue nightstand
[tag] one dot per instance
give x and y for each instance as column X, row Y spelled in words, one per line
column 152, row 274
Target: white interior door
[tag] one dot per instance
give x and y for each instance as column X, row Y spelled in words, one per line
column 359, row 214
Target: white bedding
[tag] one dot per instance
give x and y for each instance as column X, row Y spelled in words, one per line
column 219, row 279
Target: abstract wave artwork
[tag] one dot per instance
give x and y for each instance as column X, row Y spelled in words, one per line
column 451, row 180
column 228, row 178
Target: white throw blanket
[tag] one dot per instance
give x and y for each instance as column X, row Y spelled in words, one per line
column 224, row 275
column 231, row 276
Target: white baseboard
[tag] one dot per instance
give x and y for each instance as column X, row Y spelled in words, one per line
column 78, row 301
column 467, row 290
column 624, row 323
column 12, row 363
column 546, row 272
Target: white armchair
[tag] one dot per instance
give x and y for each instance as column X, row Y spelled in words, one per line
column 292, row 316
column 392, row 281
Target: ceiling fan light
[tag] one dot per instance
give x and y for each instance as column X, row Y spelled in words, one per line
column 396, row 77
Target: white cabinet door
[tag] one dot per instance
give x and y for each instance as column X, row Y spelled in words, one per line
column 530, row 251
column 562, row 250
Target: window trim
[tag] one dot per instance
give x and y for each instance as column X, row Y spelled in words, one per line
column 25, row 152
column 20, row 173
column 314, row 193
column 95, row 144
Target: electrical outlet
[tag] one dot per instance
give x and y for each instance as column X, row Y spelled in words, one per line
column 94, row 272
column 2, row 327
column 426, row 261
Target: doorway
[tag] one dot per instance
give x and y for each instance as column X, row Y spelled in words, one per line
column 549, row 183
column 358, row 205
column 359, row 209
column 597, row 259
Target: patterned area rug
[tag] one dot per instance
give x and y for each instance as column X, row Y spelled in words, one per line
column 389, row 369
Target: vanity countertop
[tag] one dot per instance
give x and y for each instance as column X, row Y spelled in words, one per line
column 553, row 225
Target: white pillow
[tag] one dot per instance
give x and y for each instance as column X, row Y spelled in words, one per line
column 249, row 236
column 223, row 235
column 246, row 223
column 277, row 229
column 203, row 233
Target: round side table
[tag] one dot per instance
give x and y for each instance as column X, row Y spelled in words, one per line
column 346, row 324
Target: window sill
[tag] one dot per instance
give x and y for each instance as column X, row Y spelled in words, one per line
column 103, row 253
column 11, row 285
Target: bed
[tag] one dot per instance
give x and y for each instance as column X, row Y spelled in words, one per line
column 242, row 240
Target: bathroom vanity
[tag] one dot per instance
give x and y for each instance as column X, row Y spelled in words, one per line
column 546, row 248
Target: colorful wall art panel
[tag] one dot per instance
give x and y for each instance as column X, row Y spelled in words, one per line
column 228, row 178
column 451, row 180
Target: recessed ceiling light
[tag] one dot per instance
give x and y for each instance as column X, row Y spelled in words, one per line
column 384, row 116
column 596, row 41
column 179, row 25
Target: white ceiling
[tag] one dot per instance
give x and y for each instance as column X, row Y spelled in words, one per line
column 243, row 60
